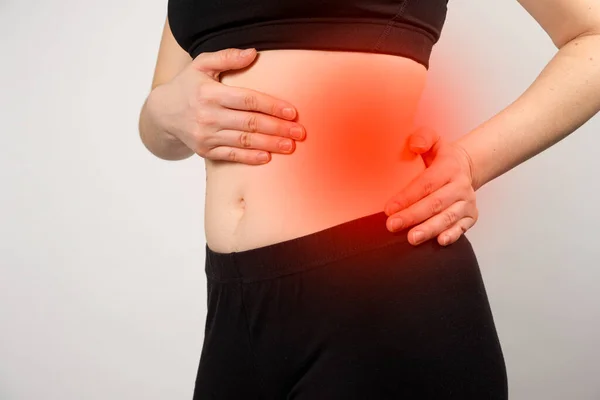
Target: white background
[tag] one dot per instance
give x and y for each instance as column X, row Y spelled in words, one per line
column 102, row 287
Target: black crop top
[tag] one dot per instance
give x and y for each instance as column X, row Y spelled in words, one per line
column 407, row 28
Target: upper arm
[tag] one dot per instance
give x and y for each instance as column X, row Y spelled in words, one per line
column 171, row 59
column 565, row 20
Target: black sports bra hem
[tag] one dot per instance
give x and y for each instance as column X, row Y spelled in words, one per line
column 348, row 35
column 302, row 21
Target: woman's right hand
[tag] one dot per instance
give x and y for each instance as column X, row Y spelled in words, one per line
column 220, row 122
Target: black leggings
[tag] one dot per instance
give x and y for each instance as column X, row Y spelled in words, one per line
column 349, row 312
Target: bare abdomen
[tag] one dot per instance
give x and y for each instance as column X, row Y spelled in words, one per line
column 357, row 109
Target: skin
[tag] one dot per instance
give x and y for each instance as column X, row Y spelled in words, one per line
column 315, row 181
column 566, row 94
column 440, row 202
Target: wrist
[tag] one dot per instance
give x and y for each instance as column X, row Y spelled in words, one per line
column 476, row 182
column 157, row 139
column 152, row 108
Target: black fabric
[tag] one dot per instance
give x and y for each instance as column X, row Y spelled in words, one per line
column 408, row 28
column 349, row 312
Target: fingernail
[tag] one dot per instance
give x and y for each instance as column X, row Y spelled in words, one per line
column 289, row 113
column 263, row 157
column 418, row 142
column 296, row 132
column 445, row 240
column 285, row 145
column 396, row 224
column 418, row 236
column 246, row 52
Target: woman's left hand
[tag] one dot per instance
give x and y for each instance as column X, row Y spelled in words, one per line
column 443, row 195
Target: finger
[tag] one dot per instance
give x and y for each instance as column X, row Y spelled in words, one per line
column 422, row 140
column 233, row 154
column 249, row 140
column 426, row 208
column 454, row 233
column 214, row 62
column 440, row 222
column 238, row 98
column 256, row 122
column 422, row 186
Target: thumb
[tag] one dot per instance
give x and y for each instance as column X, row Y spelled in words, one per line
column 213, row 63
column 423, row 140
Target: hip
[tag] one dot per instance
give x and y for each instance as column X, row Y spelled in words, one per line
column 352, row 311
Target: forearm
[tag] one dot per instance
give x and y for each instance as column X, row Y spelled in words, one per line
column 564, row 96
column 157, row 141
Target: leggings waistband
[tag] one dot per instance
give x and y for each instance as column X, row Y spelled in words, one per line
column 304, row 252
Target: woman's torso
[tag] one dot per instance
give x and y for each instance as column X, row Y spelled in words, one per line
column 357, row 109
